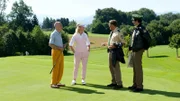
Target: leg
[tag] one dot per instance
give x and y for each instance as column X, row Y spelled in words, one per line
column 61, row 65
column 84, row 64
column 111, row 69
column 134, row 72
column 55, row 72
column 138, row 68
column 117, row 74
column 77, row 58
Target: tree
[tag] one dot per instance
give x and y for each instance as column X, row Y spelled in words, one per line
column 2, row 8
column 71, row 28
column 65, row 39
column 39, row 38
column 169, row 17
column 98, row 27
column 10, row 43
column 107, row 14
column 148, row 15
column 34, row 21
column 21, row 16
column 22, row 41
column 158, row 33
column 126, row 29
column 48, row 23
column 64, row 21
column 175, row 42
column 102, row 17
column 175, row 26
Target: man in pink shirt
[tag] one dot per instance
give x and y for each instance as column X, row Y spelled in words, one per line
column 81, row 52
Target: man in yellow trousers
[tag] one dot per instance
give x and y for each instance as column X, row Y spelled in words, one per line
column 57, row 46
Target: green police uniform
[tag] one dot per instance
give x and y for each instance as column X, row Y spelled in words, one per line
column 137, row 48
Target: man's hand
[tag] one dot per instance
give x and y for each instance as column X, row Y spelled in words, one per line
column 60, row 48
column 104, row 44
column 111, row 47
column 64, row 45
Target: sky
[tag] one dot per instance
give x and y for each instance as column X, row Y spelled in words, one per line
column 85, row 9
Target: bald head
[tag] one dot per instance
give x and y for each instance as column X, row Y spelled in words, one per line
column 58, row 26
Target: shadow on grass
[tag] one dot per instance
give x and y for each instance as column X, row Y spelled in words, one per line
column 96, row 86
column 103, row 87
column 82, row 90
column 146, row 91
column 160, row 56
column 159, row 92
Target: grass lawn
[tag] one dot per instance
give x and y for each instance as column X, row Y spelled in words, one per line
column 26, row 78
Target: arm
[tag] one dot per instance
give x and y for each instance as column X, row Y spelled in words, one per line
column 121, row 37
column 118, row 43
column 87, row 42
column 72, row 49
column 55, row 47
column 71, row 43
column 146, row 35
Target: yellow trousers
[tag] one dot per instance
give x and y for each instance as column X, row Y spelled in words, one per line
column 58, row 61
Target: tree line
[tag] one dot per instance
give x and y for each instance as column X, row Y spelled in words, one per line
column 164, row 29
column 20, row 30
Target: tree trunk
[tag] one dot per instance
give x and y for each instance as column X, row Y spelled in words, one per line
column 147, row 51
column 177, row 53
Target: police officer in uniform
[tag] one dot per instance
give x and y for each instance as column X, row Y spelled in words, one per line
column 114, row 37
column 137, row 46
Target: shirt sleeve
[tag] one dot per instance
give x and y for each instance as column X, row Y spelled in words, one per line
column 71, row 43
column 87, row 40
column 121, row 37
column 52, row 39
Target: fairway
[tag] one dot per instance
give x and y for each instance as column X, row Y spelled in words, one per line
column 27, row 78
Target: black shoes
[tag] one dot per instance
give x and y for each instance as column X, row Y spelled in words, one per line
column 132, row 87
column 111, row 85
column 135, row 89
column 117, row 87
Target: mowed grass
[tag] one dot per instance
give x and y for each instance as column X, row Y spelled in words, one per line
column 27, row 78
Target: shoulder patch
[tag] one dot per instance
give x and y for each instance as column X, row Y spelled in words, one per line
column 122, row 36
column 144, row 31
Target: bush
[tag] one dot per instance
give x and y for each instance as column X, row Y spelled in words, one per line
column 65, row 39
column 18, row 53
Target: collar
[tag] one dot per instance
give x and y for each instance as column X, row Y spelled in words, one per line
column 57, row 31
column 80, row 34
column 116, row 30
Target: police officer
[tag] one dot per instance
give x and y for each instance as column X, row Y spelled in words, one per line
column 114, row 37
column 137, row 46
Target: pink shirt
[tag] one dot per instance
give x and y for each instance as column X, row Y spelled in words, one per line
column 81, row 42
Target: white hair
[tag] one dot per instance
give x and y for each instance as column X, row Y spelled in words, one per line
column 57, row 22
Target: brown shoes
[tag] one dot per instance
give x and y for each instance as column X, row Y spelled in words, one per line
column 55, row 86
column 61, row 85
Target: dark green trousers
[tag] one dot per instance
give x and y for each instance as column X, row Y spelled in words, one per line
column 137, row 69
